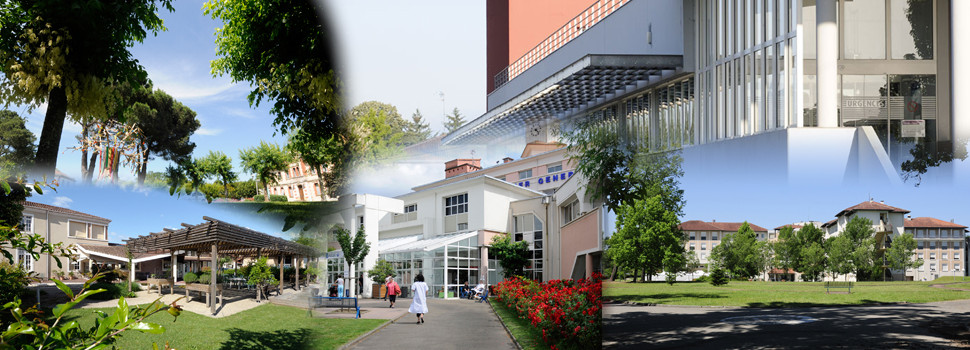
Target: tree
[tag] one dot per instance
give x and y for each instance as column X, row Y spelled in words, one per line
column 64, row 54
column 16, row 144
column 219, row 166
column 787, row 249
column 261, row 276
column 381, row 270
column 900, row 255
column 512, row 256
column 294, row 69
column 812, row 259
column 741, row 253
column 355, row 250
column 266, row 162
column 453, row 121
column 166, row 126
column 647, row 237
column 186, row 176
column 416, row 130
column 377, row 139
column 717, row 277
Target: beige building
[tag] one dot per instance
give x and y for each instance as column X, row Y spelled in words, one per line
column 941, row 245
column 703, row 236
column 299, row 183
column 60, row 225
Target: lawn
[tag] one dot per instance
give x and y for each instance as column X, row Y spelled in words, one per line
column 264, row 327
column 779, row 294
column 524, row 333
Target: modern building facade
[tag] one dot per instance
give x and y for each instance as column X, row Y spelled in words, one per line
column 828, row 91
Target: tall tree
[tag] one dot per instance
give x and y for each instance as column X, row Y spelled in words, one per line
column 812, row 259
column 166, row 126
column 741, row 253
column 266, row 162
column 219, row 166
column 294, row 69
column 900, row 255
column 416, row 130
column 513, row 256
column 647, row 237
column 453, row 121
column 787, row 249
column 355, row 249
column 16, row 144
column 64, row 54
column 377, row 139
column 854, row 251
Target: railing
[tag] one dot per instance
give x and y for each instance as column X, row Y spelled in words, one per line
column 569, row 31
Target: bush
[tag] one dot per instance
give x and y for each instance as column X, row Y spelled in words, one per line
column 259, row 198
column 704, row 278
column 14, row 282
column 277, row 198
column 205, row 278
column 190, row 277
column 114, row 290
column 568, row 312
column 717, row 277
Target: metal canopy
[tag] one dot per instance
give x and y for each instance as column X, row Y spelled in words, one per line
column 230, row 239
column 587, row 83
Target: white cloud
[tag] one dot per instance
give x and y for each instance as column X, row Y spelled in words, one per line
column 62, row 201
column 405, row 176
column 208, row 132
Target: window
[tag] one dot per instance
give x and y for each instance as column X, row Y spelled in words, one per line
column 86, row 230
column 945, row 233
column 919, row 256
column 75, row 265
column 919, row 233
column 713, row 236
column 502, row 178
column 933, row 267
column 919, row 244
column 944, row 267
column 957, row 245
column 703, row 246
column 553, row 168
column 956, row 256
column 692, row 246
column 703, row 236
column 410, row 208
column 27, row 224
column 932, row 244
column 570, row 212
column 956, row 267
column 456, row 204
column 25, row 259
column 864, row 29
column 692, row 235
column 525, row 174
column 932, row 256
column 943, row 256
column 462, row 226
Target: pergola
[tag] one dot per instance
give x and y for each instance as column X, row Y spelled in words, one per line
column 218, row 237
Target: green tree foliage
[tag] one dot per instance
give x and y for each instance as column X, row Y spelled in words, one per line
column 453, row 121
column 282, row 49
column 378, row 140
column 381, row 270
column 165, row 125
column 787, row 249
column 65, row 54
column 261, row 276
column 718, row 277
column 355, row 249
column 647, row 237
column 186, row 176
column 812, row 258
column 512, row 256
column 416, row 130
column 244, row 189
column 219, row 166
column 854, row 251
column 16, row 144
column 331, row 157
column 900, row 255
column 266, row 162
column 741, row 253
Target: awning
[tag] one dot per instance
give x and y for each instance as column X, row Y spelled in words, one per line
column 414, row 243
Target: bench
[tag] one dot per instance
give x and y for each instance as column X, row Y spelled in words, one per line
column 159, row 282
column 332, row 302
column 837, row 285
column 204, row 288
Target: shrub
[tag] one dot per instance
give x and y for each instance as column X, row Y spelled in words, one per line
column 114, row 290
column 568, row 312
column 14, row 282
column 277, row 198
column 704, row 278
column 205, row 278
column 190, row 277
column 259, row 198
column 717, row 277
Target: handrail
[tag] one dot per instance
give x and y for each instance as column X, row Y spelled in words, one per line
column 569, row 31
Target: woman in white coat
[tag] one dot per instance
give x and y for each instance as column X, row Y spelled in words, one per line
column 419, row 305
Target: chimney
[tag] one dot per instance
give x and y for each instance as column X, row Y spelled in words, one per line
column 462, row 166
column 507, row 159
column 909, row 217
column 882, row 202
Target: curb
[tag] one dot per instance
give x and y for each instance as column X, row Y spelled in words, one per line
column 361, row 338
column 507, row 331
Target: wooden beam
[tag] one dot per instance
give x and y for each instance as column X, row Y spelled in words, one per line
column 212, row 281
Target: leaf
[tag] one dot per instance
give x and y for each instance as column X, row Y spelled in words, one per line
column 122, row 311
column 64, row 288
column 38, row 189
column 6, row 188
column 148, row 328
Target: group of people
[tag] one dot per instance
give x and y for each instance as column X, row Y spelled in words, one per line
column 473, row 293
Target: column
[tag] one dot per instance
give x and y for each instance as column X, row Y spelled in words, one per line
column 214, row 277
column 827, row 53
column 296, row 265
column 279, row 263
column 959, row 76
column 175, row 270
column 589, row 265
column 483, row 267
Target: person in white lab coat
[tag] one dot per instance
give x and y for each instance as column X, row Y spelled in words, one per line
column 419, row 305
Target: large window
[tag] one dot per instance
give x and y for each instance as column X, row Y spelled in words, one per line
column 864, row 28
column 456, row 204
column 525, row 174
column 27, row 224
column 25, row 259
column 570, row 212
column 528, row 228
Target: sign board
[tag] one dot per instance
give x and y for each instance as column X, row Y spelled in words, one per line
column 913, row 128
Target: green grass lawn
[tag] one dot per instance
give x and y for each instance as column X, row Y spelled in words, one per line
column 528, row 337
column 264, row 327
column 779, row 294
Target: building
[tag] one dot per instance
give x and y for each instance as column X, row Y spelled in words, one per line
column 703, row 236
column 825, row 91
column 940, row 244
column 886, row 221
column 299, row 183
column 61, row 225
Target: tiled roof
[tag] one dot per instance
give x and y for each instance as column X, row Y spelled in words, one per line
column 697, row 225
column 829, row 223
column 29, row 204
column 928, row 222
column 871, row 205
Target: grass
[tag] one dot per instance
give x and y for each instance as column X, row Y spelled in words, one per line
column 779, row 294
column 264, row 327
column 527, row 336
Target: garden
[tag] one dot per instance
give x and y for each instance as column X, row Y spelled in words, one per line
column 561, row 314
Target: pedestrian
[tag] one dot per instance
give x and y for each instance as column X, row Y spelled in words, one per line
column 340, row 285
column 387, row 281
column 393, row 290
column 419, row 305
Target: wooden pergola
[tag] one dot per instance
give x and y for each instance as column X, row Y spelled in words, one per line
column 217, row 237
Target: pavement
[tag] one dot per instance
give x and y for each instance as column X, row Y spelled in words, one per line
column 449, row 324
column 911, row 326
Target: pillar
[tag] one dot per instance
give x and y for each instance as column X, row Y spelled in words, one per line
column 296, row 265
column 279, row 263
column 589, row 265
column 212, row 281
column 483, row 267
column 827, row 60
column 175, row 267
column 959, row 75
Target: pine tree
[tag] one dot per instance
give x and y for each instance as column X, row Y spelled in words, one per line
column 454, row 121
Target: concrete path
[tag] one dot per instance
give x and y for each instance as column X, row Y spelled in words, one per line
column 449, row 324
column 911, row 326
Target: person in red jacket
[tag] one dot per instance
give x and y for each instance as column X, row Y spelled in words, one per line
column 393, row 290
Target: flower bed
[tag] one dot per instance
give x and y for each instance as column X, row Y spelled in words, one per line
column 569, row 312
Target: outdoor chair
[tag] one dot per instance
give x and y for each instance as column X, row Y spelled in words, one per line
column 484, row 297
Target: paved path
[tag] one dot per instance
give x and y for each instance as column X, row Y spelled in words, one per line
column 912, row 326
column 449, row 324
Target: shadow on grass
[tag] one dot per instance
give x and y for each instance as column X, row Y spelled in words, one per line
column 240, row 339
column 665, row 296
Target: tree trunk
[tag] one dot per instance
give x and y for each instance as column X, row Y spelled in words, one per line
column 143, row 167
column 84, row 153
column 613, row 273
column 115, row 164
column 45, row 161
column 323, row 189
column 265, row 191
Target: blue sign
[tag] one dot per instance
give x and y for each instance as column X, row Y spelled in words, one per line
column 548, row 179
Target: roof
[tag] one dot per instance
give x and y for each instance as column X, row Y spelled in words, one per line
column 928, row 222
column 872, row 206
column 120, row 252
column 697, row 225
column 426, row 244
column 229, row 238
column 829, row 223
column 47, row 207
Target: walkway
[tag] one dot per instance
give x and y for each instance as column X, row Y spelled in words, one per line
column 449, row 324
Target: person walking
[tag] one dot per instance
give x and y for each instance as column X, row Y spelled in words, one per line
column 419, row 305
column 340, row 285
column 387, row 281
column 393, row 290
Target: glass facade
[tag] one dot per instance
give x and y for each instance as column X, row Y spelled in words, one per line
column 528, row 228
